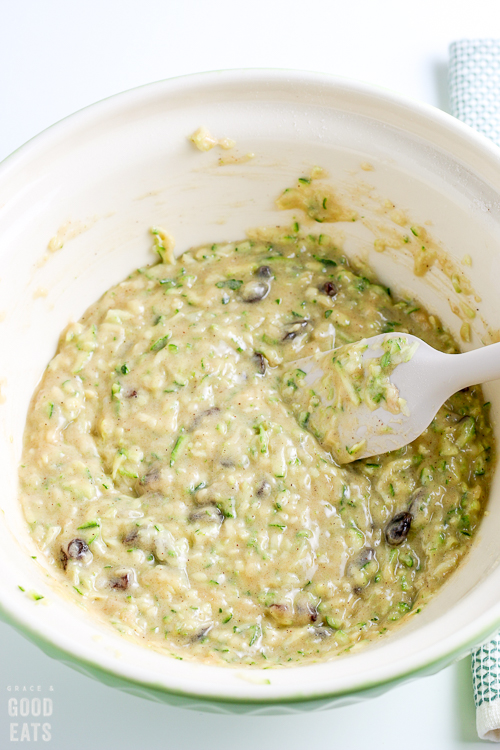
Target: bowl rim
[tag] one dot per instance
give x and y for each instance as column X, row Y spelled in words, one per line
column 450, row 648
column 125, row 682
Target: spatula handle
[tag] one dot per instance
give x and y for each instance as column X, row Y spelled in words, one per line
column 477, row 366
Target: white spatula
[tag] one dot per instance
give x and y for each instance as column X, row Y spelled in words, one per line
column 352, row 426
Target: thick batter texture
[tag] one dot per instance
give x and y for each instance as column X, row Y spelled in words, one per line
column 186, row 504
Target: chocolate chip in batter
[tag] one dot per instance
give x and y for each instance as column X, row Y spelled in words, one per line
column 264, row 489
column 206, row 514
column 329, row 288
column 264, row 272
column 321, row 631
column 63, row 559
column 131, row 536
column 397, row 530
column 201, row 634
column 300, row 614
column 199, row 417
column 261, row 362
column 254, row 291
column 77, row 549
column 415, row 499
column 120, row 582
column 150, row 481
column 366, row 555
column 295, row 328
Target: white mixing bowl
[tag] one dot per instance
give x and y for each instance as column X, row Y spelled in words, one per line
column 120, row 166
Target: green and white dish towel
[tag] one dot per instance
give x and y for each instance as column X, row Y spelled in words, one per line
column 474, row 81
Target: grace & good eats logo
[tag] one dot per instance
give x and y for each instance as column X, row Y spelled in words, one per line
column 29, row 710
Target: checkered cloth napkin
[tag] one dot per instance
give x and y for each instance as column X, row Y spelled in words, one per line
column 474, row 81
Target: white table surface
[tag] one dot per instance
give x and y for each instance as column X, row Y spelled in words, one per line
column 57, row 56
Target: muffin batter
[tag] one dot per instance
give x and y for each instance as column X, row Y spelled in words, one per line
column 165, row 476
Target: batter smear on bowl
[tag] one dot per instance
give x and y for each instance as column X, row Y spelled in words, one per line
column 187, row 504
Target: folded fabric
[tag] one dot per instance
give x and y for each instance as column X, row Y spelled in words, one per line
column 474, row 82
column 486, row 681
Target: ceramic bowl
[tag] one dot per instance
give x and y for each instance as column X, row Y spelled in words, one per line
column 101, row 178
